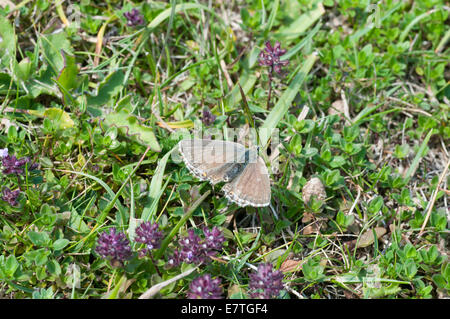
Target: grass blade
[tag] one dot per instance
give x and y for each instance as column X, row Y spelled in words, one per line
column 156, row 288
column 408, row 28
column 418, row 157
column 272, row 16
column 247, row 81
column 302, row 43
column 301, row 24
column 178, row 8
column 155, row 190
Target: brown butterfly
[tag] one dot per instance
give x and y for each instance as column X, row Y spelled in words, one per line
column 243, row 171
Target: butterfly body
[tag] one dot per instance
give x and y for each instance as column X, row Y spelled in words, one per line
column 243, row 171
column 237, row 168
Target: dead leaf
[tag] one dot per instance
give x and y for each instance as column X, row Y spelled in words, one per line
column 307, row 217
column 323, row 262
column 235, row 290
column 310, row 229
column 315, row 225
column 219, row 260
column 368, row 239
column 337, row 107
column 290, row 265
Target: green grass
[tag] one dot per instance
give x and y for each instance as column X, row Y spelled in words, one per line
column 101, row 106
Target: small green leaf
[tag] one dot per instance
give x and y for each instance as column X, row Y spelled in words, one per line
column 107, row 89
column 304, row 126
column 52, row 44
column 410, row 268
column 375, row 205
column 41, row 258
column 23, row 69
column 77, row 223
column 410, row 251
column 218, row 219
column 12, row 134
column 45, row 161
column 53, row 267
column 296, row 144
column 237, row 295
column 40, row 239
column 7, row 43
column 59, row 244
column 68, row 75
column 57, row 116
column 337, row 161
column 11, row 266
column 401, row 151
column 128, row 125
column 310, row 151
column 325, row 154
column 440, row 281
column 313, row 271
column 446, row 271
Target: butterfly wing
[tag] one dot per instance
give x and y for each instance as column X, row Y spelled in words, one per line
column 210, row 159
column 251, row 187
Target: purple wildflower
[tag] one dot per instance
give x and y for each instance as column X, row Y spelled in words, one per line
column 3, row 152
column 208, row 118
column 148, row 233
column 270, row 57
column 134, row 18
column 265, row 283
column 10, row 196
column 191, row 250
column 194, row 250
column 175, row 259
column 12, row 165
column 114, row 246
column 204, row 287
column 213, row 239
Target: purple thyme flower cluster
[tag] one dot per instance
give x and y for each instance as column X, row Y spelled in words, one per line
column 148, row 234
column 208, row 118
column 270, row 57
column 114, row 246
column 12, row 165
column 134, row 18
column 265, row 283
column 213, row 239
column 10, row 196
column 204, row 287
column 194, row 250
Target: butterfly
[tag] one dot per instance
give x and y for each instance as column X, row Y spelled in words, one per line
column 242, row 169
